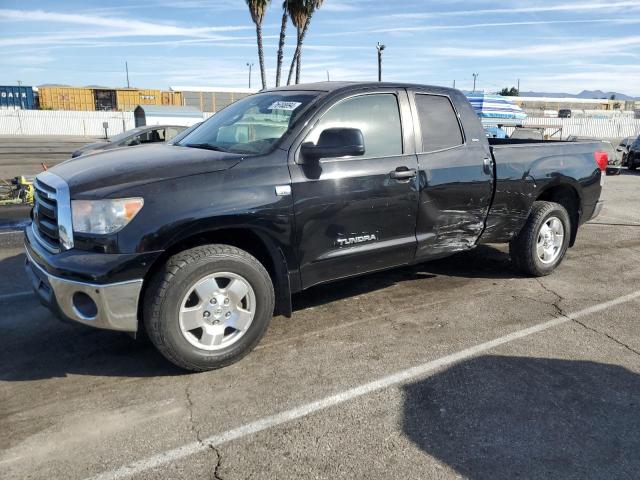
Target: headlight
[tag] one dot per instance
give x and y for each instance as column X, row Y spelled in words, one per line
column 104, row 216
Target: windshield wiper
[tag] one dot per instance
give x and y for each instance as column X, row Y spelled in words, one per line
column 207, row 146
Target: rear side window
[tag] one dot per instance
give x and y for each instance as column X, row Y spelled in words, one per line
column 376, row 115
column 438, row 123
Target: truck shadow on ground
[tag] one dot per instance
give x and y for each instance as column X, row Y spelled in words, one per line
column 36, row 345
column 501, row 417
column 484, row 261
column 48, row 348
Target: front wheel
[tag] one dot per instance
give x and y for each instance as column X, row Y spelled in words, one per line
column 542, row 243
column 208, row 306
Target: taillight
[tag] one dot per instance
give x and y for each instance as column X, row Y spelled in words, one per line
column 602, row 159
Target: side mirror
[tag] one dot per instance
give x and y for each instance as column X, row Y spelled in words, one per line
column 333, row 143
column 134, row 142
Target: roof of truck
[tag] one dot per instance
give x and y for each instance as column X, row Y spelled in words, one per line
column 331, row 86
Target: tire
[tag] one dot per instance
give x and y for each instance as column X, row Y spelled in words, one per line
column 174, row 286
column 523, row 248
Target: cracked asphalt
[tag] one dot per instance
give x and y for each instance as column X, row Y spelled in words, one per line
column 563, row 402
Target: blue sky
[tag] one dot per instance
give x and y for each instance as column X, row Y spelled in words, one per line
column 550, row 45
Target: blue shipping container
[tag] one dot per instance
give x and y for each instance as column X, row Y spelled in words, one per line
column 17, row 97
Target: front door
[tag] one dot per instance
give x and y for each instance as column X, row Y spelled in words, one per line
column 456, row 177
column 356, row 214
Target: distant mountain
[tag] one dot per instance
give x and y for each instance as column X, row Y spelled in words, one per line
column 583, row 94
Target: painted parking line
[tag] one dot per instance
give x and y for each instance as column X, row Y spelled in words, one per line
column 398, row 378
column 12, row 296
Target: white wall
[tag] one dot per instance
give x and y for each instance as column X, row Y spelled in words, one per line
column 184, row 121
column 60, row 122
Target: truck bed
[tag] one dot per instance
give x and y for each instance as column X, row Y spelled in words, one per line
column 525, row 169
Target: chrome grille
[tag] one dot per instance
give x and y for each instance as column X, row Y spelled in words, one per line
column 45, row 215
column 52, row 223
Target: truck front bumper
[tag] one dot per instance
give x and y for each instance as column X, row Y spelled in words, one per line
column 112, row 306
column 98, row 290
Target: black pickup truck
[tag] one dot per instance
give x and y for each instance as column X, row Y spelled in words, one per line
column 198, row 243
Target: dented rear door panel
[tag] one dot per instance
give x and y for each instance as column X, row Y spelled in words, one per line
column 456, row 184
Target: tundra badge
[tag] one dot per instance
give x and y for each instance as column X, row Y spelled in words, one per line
column 359, row 239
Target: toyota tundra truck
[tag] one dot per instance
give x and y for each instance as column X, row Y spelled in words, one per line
column 197, row 244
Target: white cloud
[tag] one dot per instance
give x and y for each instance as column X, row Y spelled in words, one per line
column 112, row 27
column 590, row 48
column 566, row 7
column 339, row 7
column 123, row 26
column 421, row 28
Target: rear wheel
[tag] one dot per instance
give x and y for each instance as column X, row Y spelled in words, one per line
column 541, row 245
column 208, row 307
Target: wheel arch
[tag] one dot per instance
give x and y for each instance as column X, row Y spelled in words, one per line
column 569, row 197
column 256, row 243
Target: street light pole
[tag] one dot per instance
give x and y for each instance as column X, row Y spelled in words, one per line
column 475, row 76
column 249, row 65
column 380, row 47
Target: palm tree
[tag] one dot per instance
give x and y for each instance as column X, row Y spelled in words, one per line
column 283, row 33
column 301, row 12
column 258, row 8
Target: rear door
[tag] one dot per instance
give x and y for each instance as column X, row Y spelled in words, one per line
column 351, row 214
column 456, row 177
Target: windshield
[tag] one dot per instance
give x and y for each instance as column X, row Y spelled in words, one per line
column 176, row 140
column 251, row 125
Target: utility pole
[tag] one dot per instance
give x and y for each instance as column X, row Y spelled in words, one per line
column 126, row 67
column 19, row 83
column 518, row 86
column 454, row 84
column 249, row 65
column 380, row 47
column 475, row 76
column 328, row 80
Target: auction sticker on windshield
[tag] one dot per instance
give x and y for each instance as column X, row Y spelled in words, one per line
column 284, row 105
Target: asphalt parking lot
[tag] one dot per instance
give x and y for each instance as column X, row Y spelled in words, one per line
column 25, row 155
column 449, row 369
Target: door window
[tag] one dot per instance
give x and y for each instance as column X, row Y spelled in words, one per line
column 376, row 115
column 150, row 136
column 156, row 135
column 438, row 123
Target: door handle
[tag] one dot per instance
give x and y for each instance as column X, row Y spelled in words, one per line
column 403, row 173
column 487, row 165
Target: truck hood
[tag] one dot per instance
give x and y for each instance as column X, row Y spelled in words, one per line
column 120, row 168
